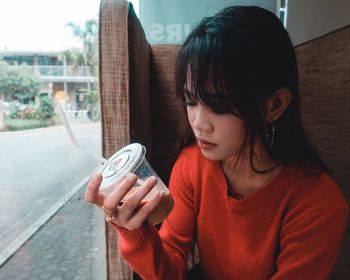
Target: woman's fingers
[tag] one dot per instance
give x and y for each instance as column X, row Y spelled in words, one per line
column 112, row 201
column 132, row 203
column 141, row 216
column 92, row 193
column 126, row 215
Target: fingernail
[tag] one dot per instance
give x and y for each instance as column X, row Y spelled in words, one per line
column 161, row 194
column 152, row 180
column 98, row 176
column 131, row 177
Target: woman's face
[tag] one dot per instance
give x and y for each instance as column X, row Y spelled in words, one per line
column 219, row 136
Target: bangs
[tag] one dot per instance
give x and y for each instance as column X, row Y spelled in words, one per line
column 200, row 74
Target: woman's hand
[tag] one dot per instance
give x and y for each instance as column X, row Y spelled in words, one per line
column 127, row 214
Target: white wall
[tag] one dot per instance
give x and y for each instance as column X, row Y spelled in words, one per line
column 309, row 19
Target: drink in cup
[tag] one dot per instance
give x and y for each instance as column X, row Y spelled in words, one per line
column 131, row 159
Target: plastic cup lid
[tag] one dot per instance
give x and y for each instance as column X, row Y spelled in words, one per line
column 125, row 161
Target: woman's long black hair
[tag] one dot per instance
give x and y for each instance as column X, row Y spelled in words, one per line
column 247, row 55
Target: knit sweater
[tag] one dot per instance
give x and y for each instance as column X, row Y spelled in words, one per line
column 289, row 229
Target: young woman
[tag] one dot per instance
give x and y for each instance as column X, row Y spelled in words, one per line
column 249, row 189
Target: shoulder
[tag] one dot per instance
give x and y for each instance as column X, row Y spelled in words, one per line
column 189, row 167
column 319, row 188
column 190, row 158
column 190, row 152
column 313, row 195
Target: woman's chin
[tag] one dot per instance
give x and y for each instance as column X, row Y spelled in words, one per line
column 211, row 155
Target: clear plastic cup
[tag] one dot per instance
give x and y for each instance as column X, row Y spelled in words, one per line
column 132, row 159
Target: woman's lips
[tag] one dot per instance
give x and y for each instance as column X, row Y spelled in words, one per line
column 204, row 144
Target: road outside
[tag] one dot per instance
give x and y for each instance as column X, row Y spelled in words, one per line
column 71, row 245
column 40, row 170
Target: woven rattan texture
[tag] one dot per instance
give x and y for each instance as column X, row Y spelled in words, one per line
column 113, row 80
column 324, row 66
column 124, row 87
column 168, row 113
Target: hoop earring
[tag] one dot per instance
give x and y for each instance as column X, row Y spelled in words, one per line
column 270, row 134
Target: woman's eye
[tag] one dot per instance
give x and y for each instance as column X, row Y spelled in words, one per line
column 220, row 111
column 217, row 107
column 189, row 103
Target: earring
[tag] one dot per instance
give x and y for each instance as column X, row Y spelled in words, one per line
column 270, row 133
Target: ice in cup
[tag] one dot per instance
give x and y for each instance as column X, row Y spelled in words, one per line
column 132, row 159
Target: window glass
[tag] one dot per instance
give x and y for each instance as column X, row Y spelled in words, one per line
column 48, row 58
column 283, row 11
column 169, row 22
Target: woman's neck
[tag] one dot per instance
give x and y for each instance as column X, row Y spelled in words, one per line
column 241, row 176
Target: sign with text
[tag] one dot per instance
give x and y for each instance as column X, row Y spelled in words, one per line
column 170, row 21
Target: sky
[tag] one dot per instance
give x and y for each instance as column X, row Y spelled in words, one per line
column 39, row 25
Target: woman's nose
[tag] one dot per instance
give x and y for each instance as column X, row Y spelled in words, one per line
column 199, row 119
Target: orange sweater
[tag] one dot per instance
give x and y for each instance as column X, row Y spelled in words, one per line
column 289, row 229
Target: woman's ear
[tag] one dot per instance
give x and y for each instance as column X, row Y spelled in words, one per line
column 277, row 104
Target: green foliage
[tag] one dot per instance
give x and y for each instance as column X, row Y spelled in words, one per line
column 91, row 99
column 15, row 111
column 73, row 56
column 22, row 111
column 19, row 124
column 88, row 36
column 46, row 108
column 18, row 82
